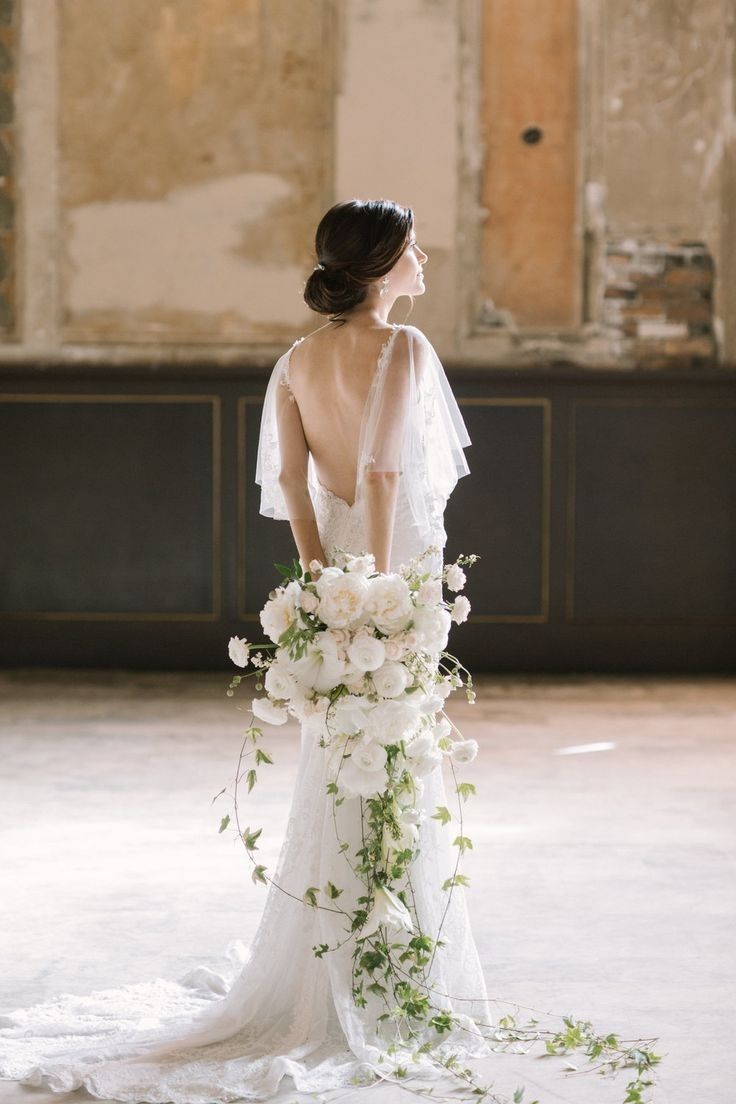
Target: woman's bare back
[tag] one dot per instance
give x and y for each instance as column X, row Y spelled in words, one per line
column 330, row 374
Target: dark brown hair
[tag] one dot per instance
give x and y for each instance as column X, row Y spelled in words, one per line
column 357, row 241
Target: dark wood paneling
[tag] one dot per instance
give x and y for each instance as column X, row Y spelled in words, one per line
column 108, row 506
column 652, row 533
column 603, row 505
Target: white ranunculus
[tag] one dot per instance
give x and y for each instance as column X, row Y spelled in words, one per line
column 432, row 626
column 455, row 576
column 464, row 751
column 278, row 682
column 389, row 603
column 388, row 910
column 268, row 711
column 278, row 615
column 423, row 755
column 238, row 651
column 341, row 598
column 460, row 609
column 362, row 565
column 391, row 679
column 364, row 772
column 391, row 721
column 366, row 652
column 430, row 593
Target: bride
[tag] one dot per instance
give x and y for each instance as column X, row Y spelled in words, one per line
column 361, row 444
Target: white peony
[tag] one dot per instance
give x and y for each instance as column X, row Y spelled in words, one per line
column 391, row 721
column 464, row 751
column 432, row 627
column 268, row 711
column 278, row 682
column 278, row 615
column 391, row 679
column 388, row 910
column 364, row 772
column 366, row 652
column 362, row 565
column 341, row 598
column 389, row 603
column 349, row 715
column 460, row 609
column 238, row 651
column 430, row 593
column 455, row 576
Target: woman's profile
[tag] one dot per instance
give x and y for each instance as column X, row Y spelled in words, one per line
column 361, row 444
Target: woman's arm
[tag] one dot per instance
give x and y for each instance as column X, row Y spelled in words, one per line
column 380, row 510
column 293, row 479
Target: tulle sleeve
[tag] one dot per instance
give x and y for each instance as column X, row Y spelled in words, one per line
column 413, row 425
column 282, row 447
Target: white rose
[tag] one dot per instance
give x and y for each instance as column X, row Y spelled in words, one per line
column 455, row 577
column 362, row 565
column 309, row 601
column 268, row 711
column 464, row 751
column 460, row 609
column 389, row 603
column 388, row 910
column 394, row 648
column 238, row 651
column 391, row 721
column 430, row 593
column 341, row 598
column 364, row 772
column 278, row 682
column 278, row 615
column 366, row 652
column 432, row 627
column 391, row 680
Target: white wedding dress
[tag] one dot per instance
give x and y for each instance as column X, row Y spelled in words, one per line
column 279, row 1010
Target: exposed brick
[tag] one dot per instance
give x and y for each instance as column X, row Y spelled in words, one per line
column 689, row 277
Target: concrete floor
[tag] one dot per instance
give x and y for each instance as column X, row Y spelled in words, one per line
column 602, row 881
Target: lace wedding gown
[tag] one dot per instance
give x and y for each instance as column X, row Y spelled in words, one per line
column 279, row 1010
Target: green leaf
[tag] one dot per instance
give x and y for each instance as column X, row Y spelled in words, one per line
column 249, row 838
column 465, row 789
column 251, row 777
column 332, row 891
column 214, row 799
column 224, row 823
column 262, row 756
column 283, row 569
column 258, row 874
column 463, row 842
column 310, row 896
column 442, row 814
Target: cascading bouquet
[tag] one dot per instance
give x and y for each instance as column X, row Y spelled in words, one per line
column 361, row 656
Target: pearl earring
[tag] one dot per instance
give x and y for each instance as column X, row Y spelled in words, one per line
column 384, row 286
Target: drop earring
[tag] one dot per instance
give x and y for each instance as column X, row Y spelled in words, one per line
column 384, row 286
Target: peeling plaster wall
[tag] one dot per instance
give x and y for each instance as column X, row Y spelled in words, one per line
column 189, row 192
column 176, row 155
column 668, row 120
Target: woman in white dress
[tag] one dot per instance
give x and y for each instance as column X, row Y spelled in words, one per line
column 361, row 443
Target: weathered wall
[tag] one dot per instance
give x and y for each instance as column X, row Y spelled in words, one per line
column 176, row 155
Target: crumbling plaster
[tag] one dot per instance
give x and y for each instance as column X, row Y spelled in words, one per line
column 175, row 158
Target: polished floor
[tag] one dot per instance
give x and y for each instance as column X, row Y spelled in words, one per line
column 603, row 874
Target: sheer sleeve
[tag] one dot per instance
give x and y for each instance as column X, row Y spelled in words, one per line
column 282, row 451
column 413, row 425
